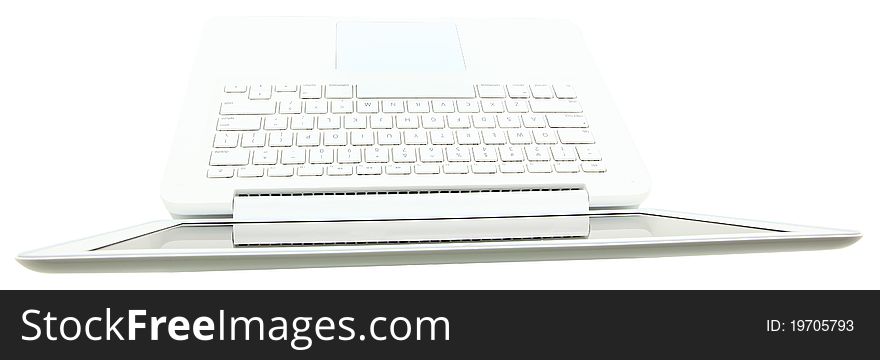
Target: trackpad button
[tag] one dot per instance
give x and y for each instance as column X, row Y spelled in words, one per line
column 395, row 47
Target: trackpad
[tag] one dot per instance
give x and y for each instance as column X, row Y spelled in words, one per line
column 393, row 47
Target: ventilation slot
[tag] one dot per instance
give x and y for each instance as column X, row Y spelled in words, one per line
column 406, row 192
column 402, row 242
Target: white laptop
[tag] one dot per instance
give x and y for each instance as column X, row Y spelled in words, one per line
column 326, row 142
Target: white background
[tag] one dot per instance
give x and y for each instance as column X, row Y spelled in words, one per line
column 755, row 109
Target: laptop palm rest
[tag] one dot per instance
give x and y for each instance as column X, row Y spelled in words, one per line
column 394, row 216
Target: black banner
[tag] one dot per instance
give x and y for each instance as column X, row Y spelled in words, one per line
column 440, row 324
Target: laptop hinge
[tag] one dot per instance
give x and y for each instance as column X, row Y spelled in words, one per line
column 354, row 216
column 390, row 204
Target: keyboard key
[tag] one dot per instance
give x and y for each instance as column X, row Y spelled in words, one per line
column 388, row 137
column 338, row 92
column 221, row 172
column 458, row 121
column 417, row 106
column 442, row 137
column 290, row 107
column 576, row 136
column 239, row 123
column 362, row 137
column 494, row 137
column 542, row 92
column 302, row 122
column 415, row 137
column 265, row 157
column 381, row 121
column 260, row 92
column 509, row 121
column 517, row 106
column 247, row 107
column 458, row 154
column 518, row 91
column 544, row 136
column 455, row 169
column 484, row 168
column 376, row 155
column 293, row 156
column 519, row 137
column 593, row 166
column 348, row 155
column 329, row 122
column 250, row 172
column 564, row 91
column 484, row 121
column 468, row 106
column 368, row 106
column 485, row 154
column 309, row 170
column 308, row 138
column 564, row 153
column 316, row 107
column 538, row 153
column 512, row 168
column 253, row 139
column 398, row 169
column 427, row 169
column 340, row 170
column 276, row 122
column 511, row 153
column 493, row 106
column 555, row 106
column 336, row 138
column 392, row 106
column 468, row 137
column 280, row 138
column 443, row 106
column 320, row 156
column 407, row 121
column 280, row 171
column 355, row 121
column 567, row 167
column 286, row 87
column 534, row 121
column 341, row 107
column 431, row 154
column 369, row 170
column 567, row 121
column 235, row 88
column 588, row 153
column 491, row 91
column 226, row 140
column 433, row 121
column 310, row 92
column 403, row 154
column 540, row 167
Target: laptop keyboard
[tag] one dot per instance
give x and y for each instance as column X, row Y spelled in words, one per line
column 286, row 130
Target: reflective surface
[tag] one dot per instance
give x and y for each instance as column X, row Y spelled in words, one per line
column 602, row 227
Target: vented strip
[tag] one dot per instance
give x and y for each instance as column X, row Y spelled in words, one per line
column 404, row 192
column 396, row 204
column 403, row 242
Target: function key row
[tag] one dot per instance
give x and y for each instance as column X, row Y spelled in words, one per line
column 319, row 106
column 426, row 169
column 344, row 91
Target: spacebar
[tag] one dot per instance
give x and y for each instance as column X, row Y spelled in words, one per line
column 414, row 91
